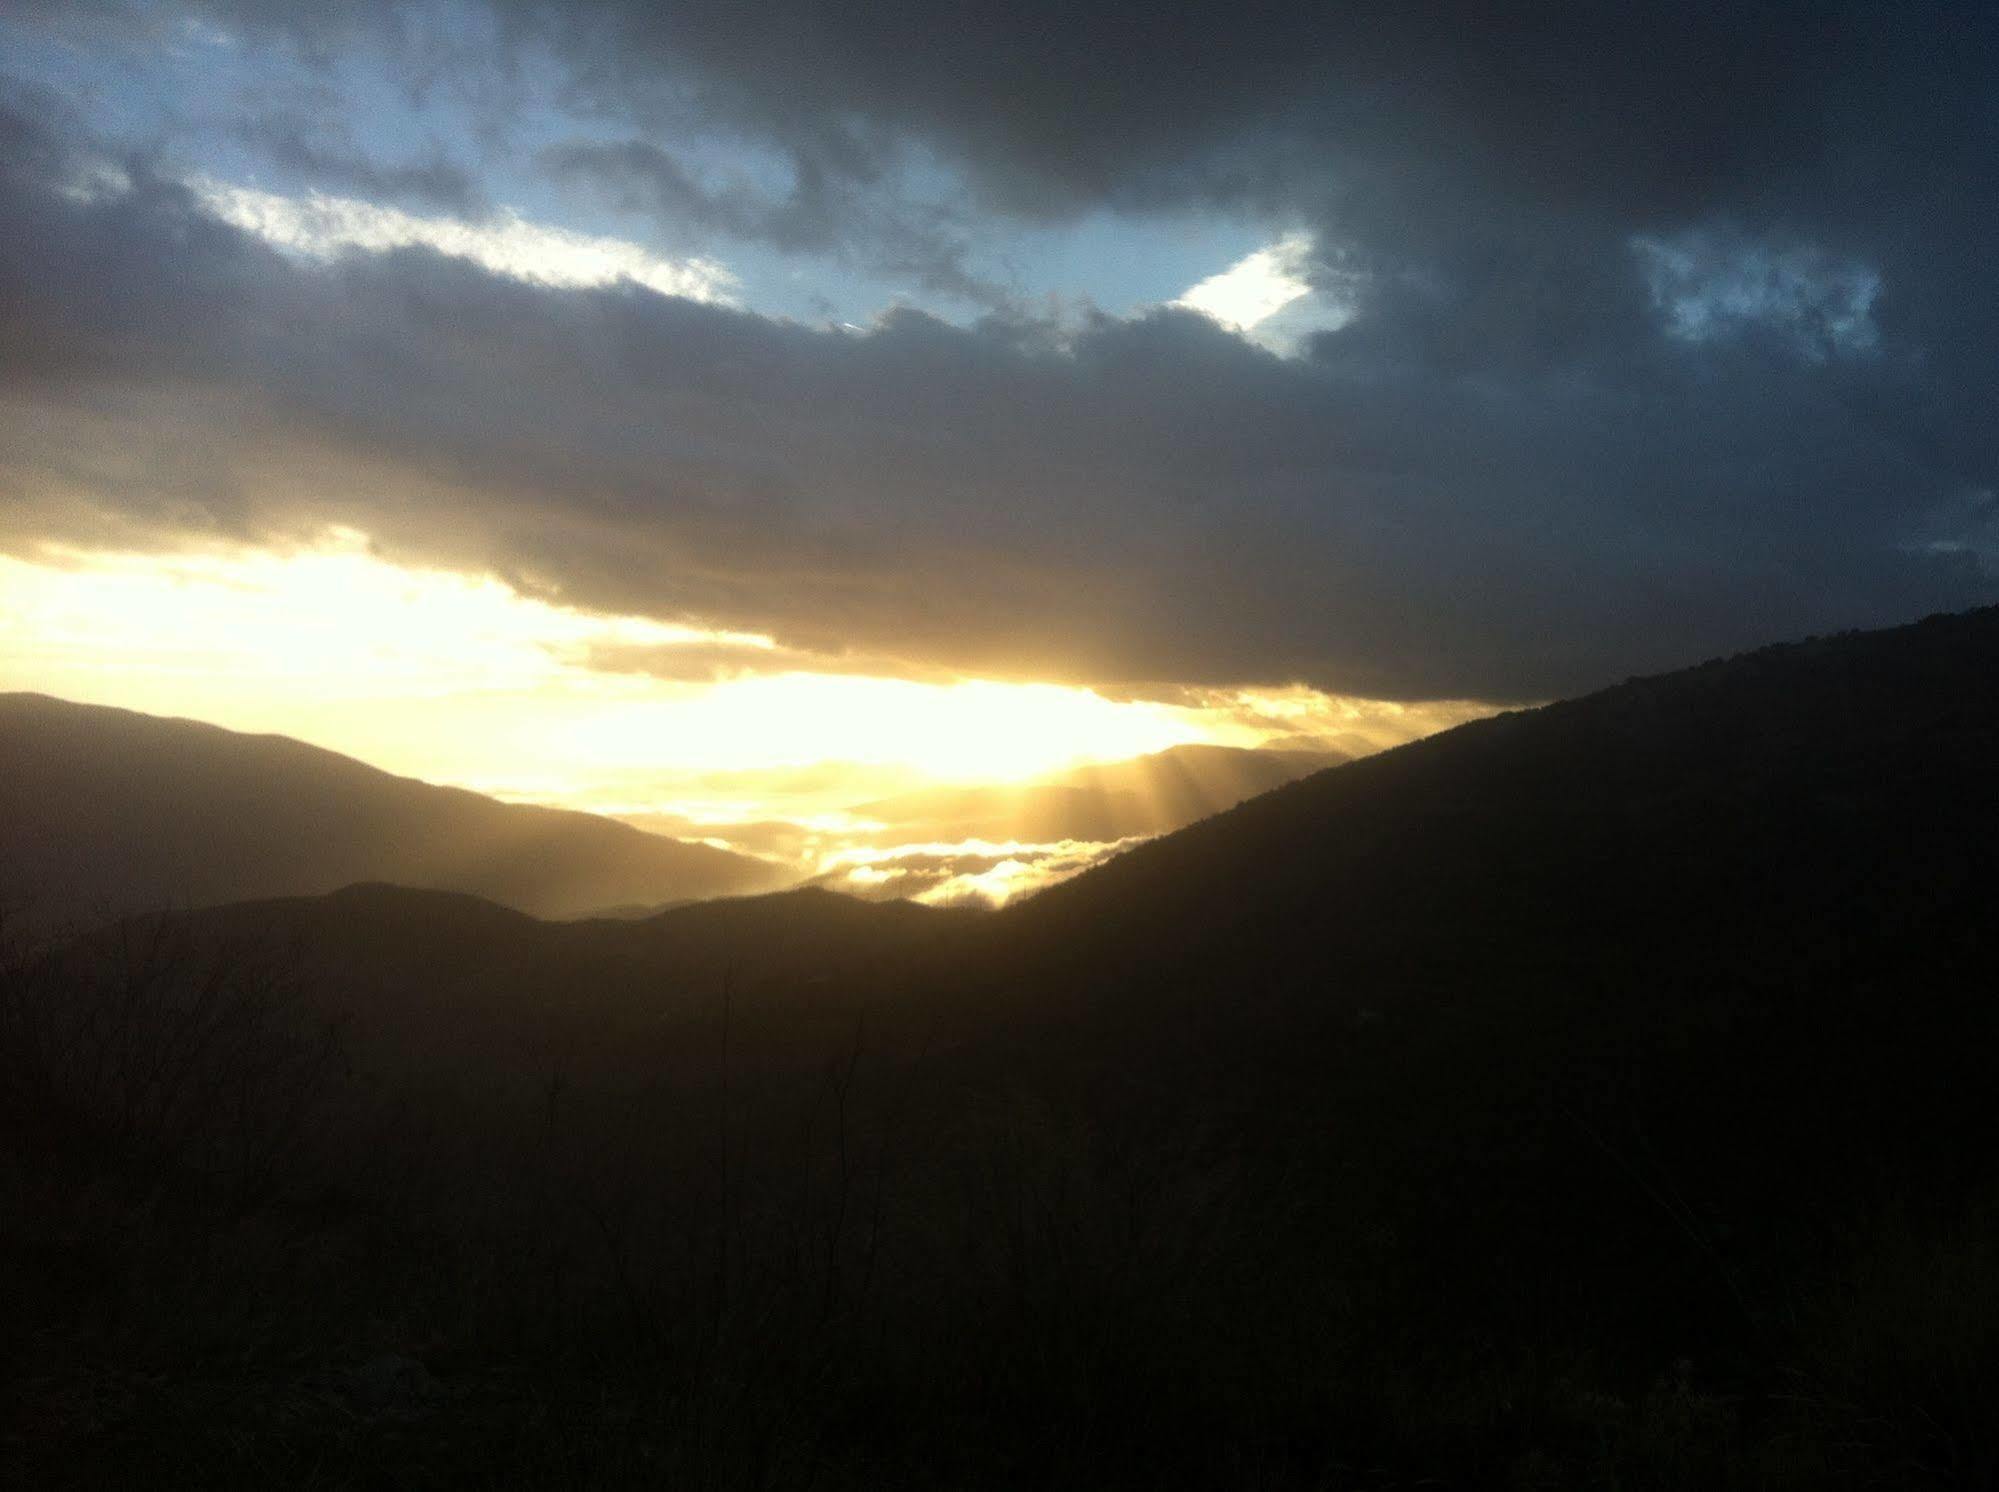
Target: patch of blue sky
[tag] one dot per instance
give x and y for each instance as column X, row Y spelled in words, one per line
column 124, row 93
column 1120, row 263
column 196, row 98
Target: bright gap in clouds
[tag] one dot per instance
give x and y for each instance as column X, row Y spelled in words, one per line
column 973, row 730
column 321, row 226
column 460, row 679
column 1266, row 298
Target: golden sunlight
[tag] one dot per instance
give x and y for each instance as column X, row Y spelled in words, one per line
column 461, row 679
column 971, row 731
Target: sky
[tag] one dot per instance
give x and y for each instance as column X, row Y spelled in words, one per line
column 593, row 401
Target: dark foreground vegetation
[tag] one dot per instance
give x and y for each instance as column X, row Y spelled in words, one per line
column 1593, row 1097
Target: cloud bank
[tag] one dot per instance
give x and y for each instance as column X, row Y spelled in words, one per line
column 1664, row 330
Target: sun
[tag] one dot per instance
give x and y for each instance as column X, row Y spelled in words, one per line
column 972, row 730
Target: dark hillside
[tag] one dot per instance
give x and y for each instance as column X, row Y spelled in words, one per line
column 1745, row 911
column 429, row 981
column 1825, row 758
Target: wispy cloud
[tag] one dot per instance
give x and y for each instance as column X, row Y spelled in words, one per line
column 974, row 872
column 321, row 226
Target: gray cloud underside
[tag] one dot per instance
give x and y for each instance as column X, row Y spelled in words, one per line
column 825, row 212
column 318, row 150
column 1504, row 478
column 1445, row 137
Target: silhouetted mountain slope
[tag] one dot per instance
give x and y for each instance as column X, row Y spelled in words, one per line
column 1721, row 937
column 1106, row 801
column 1830, row 786
column 109, row 811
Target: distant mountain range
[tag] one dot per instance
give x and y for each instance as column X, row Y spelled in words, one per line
column 1735, row 848
column 108, row 811
column 1700, row 840
column 111, row 812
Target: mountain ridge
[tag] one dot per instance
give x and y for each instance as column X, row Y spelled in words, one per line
column 117, row 811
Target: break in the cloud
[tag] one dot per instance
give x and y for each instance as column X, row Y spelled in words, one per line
column 881, row 786
column 1660, row 330
column 1256, row 287
column 1266, row 296
column 465, row 680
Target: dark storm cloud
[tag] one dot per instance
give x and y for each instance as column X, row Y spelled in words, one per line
column 1641, row 115
column 1672, row 332
column 1498, row 158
